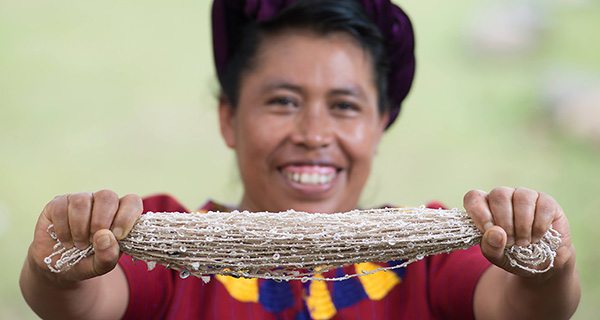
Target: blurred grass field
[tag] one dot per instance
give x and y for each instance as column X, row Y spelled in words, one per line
column 121, row 95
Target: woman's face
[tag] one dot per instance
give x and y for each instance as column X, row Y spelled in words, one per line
column 306, row 127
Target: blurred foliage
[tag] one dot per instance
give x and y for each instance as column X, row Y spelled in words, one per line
column 121, row 95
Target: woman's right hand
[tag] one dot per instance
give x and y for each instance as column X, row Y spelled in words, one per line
column 81, row 219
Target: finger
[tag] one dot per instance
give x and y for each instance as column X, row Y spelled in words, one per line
column 79, row 212
column 104, row 209
column 492, row 246
column 106, row 252
column 56, row 211
column 475, row 202
column 545, row 210
column 524, row 204
column 130, row 208
column 500, row 202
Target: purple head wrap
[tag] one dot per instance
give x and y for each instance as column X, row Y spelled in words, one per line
column 394, row 24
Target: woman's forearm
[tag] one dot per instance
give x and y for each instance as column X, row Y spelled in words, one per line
column 554, row 298
column 502, row 295
column 103, row 297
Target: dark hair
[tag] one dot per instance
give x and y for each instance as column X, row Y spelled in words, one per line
column 322, row 17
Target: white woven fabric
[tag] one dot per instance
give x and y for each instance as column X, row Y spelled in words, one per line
column 296, row 245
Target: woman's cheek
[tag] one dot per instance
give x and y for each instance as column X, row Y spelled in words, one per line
column 259, row 130
column 358, row 139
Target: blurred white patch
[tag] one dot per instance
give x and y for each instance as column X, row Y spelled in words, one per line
column 573, row 101
column 507, row 28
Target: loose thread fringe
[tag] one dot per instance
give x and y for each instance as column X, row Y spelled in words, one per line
column 296, row 245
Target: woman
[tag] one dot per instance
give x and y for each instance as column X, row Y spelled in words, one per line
column 304, row 103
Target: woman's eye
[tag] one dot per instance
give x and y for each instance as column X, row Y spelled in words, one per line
column 282, row 101
column 346, row 107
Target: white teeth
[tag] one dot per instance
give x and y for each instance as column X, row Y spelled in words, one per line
column 322, row 179
column 304, row 178
column 314, row 178
column 310, row 178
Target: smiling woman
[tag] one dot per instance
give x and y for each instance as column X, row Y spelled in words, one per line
column 305, row 102
column 308, row 89
column 306, row 126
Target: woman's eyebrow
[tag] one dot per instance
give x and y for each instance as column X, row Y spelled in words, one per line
column 350, row 90
column 354, row 91
column 281, row 85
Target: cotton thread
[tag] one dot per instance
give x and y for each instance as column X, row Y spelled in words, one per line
column 295, row 245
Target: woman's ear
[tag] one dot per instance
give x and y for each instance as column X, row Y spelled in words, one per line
column 227, row 121
column 383, row 121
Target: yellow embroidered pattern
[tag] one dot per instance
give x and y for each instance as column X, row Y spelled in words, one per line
column 378, row 284
column 241, row 289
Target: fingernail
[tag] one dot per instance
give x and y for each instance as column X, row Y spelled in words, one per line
column 495, row 239
column 103, row 242
column 522, row 242
column 118, row 232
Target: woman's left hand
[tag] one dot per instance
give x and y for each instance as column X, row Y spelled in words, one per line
column 518, row 216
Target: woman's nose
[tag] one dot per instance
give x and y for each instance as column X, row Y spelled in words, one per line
column 313, row 128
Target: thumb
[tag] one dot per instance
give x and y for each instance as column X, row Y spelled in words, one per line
column 106, row 252
column 492, row 246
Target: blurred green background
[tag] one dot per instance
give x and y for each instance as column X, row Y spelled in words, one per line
column 121, row 95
